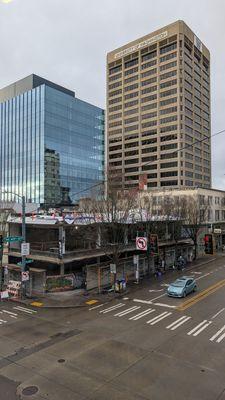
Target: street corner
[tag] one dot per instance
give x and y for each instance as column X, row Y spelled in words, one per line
column 91, row 302
column 37, row 304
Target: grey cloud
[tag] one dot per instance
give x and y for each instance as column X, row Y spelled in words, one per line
column 67, row 40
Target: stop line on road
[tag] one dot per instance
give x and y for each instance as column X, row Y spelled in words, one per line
column 120, row 310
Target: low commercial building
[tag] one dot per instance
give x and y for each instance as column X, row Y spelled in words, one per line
column 67, row 253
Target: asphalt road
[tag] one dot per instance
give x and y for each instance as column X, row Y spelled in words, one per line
column 141, row 347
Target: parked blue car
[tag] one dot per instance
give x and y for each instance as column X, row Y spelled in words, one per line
column 182, row 286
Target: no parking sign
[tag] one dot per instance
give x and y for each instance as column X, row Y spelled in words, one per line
column 141, row 243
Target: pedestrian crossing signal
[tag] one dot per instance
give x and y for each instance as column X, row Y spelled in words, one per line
column 209, row 244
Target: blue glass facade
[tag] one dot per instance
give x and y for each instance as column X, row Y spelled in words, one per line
column 51, row 146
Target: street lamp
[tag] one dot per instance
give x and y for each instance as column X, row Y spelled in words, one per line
column 23, row 232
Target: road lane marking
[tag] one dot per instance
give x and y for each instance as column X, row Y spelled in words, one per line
column 127, row 311
column 10, row 313
column 220, row 338
column 142, row 314
column 196, row 327
column 217, row 334
column 219, row 312
column 155, row 290
column 157, row 317
column 3, row 321
column 93, row 308
column 164, row 305
column 199, row 328
column 202, row 328
column 180, row 323
column 202, row 276
column 202, row 295
column 158, row 297
column 142, row 301
column 160, row 319
column 106, row 310
column 175, row 323
column 26, row 310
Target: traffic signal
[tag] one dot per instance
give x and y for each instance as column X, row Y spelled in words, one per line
column 153, row 244
column 1, row 242
column 208, row 244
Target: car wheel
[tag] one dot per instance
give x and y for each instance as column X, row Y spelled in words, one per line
column 184, row 294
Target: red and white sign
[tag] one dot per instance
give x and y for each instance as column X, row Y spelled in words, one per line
column 25, row 276
column 141, row 243
column 4, row 294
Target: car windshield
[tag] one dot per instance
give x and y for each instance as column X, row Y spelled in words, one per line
column 178, row 283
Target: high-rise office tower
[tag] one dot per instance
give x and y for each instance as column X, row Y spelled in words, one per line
column 158, row 110
column 51, row 143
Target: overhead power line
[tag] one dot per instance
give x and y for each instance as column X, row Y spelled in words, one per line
column 186, row 146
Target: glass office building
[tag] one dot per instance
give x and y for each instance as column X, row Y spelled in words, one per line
column 51, row 143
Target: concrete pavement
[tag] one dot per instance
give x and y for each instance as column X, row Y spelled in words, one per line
column 139, row 347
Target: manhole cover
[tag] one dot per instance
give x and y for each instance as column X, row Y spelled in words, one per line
column 30, row 390
column 61, row 360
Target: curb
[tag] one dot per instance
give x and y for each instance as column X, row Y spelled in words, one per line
column 107, row 301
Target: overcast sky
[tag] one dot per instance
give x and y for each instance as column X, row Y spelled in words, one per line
column 66, row 41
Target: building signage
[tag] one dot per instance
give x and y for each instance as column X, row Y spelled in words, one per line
column 141, row 44
column 217, row 230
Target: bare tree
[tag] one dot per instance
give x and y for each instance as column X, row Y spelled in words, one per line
column 111, row 212
column 196, row 215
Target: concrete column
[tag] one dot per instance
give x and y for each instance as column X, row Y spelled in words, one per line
column 62, row 269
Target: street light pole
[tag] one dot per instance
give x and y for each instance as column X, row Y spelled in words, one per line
column 24, row 241
column 23, row 235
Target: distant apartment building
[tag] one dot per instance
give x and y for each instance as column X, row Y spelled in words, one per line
column 51, row 143
column 158, row 110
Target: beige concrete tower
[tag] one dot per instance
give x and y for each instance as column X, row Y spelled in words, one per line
column 158, row 106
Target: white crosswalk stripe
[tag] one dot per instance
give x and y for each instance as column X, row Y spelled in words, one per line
column 112, row 308
column 142, row 314
column 25, row 310
column 199, row 328
column 127, row 311
column 10, row 313
column 158, row 318
column 2, row 321
column 218, row 334
column 178, row 323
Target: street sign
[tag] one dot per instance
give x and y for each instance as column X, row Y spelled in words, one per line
column 28, row 261
column 141, row 243
column 113, row 268
column 4, row 294
column 25, row 276
column 135, row 259
column 10, row 239
column 25, row 249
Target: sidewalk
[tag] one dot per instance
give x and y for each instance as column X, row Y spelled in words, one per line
column 81, row 298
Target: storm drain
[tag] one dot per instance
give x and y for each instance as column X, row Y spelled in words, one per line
column 61, row 360
column 30, row 390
